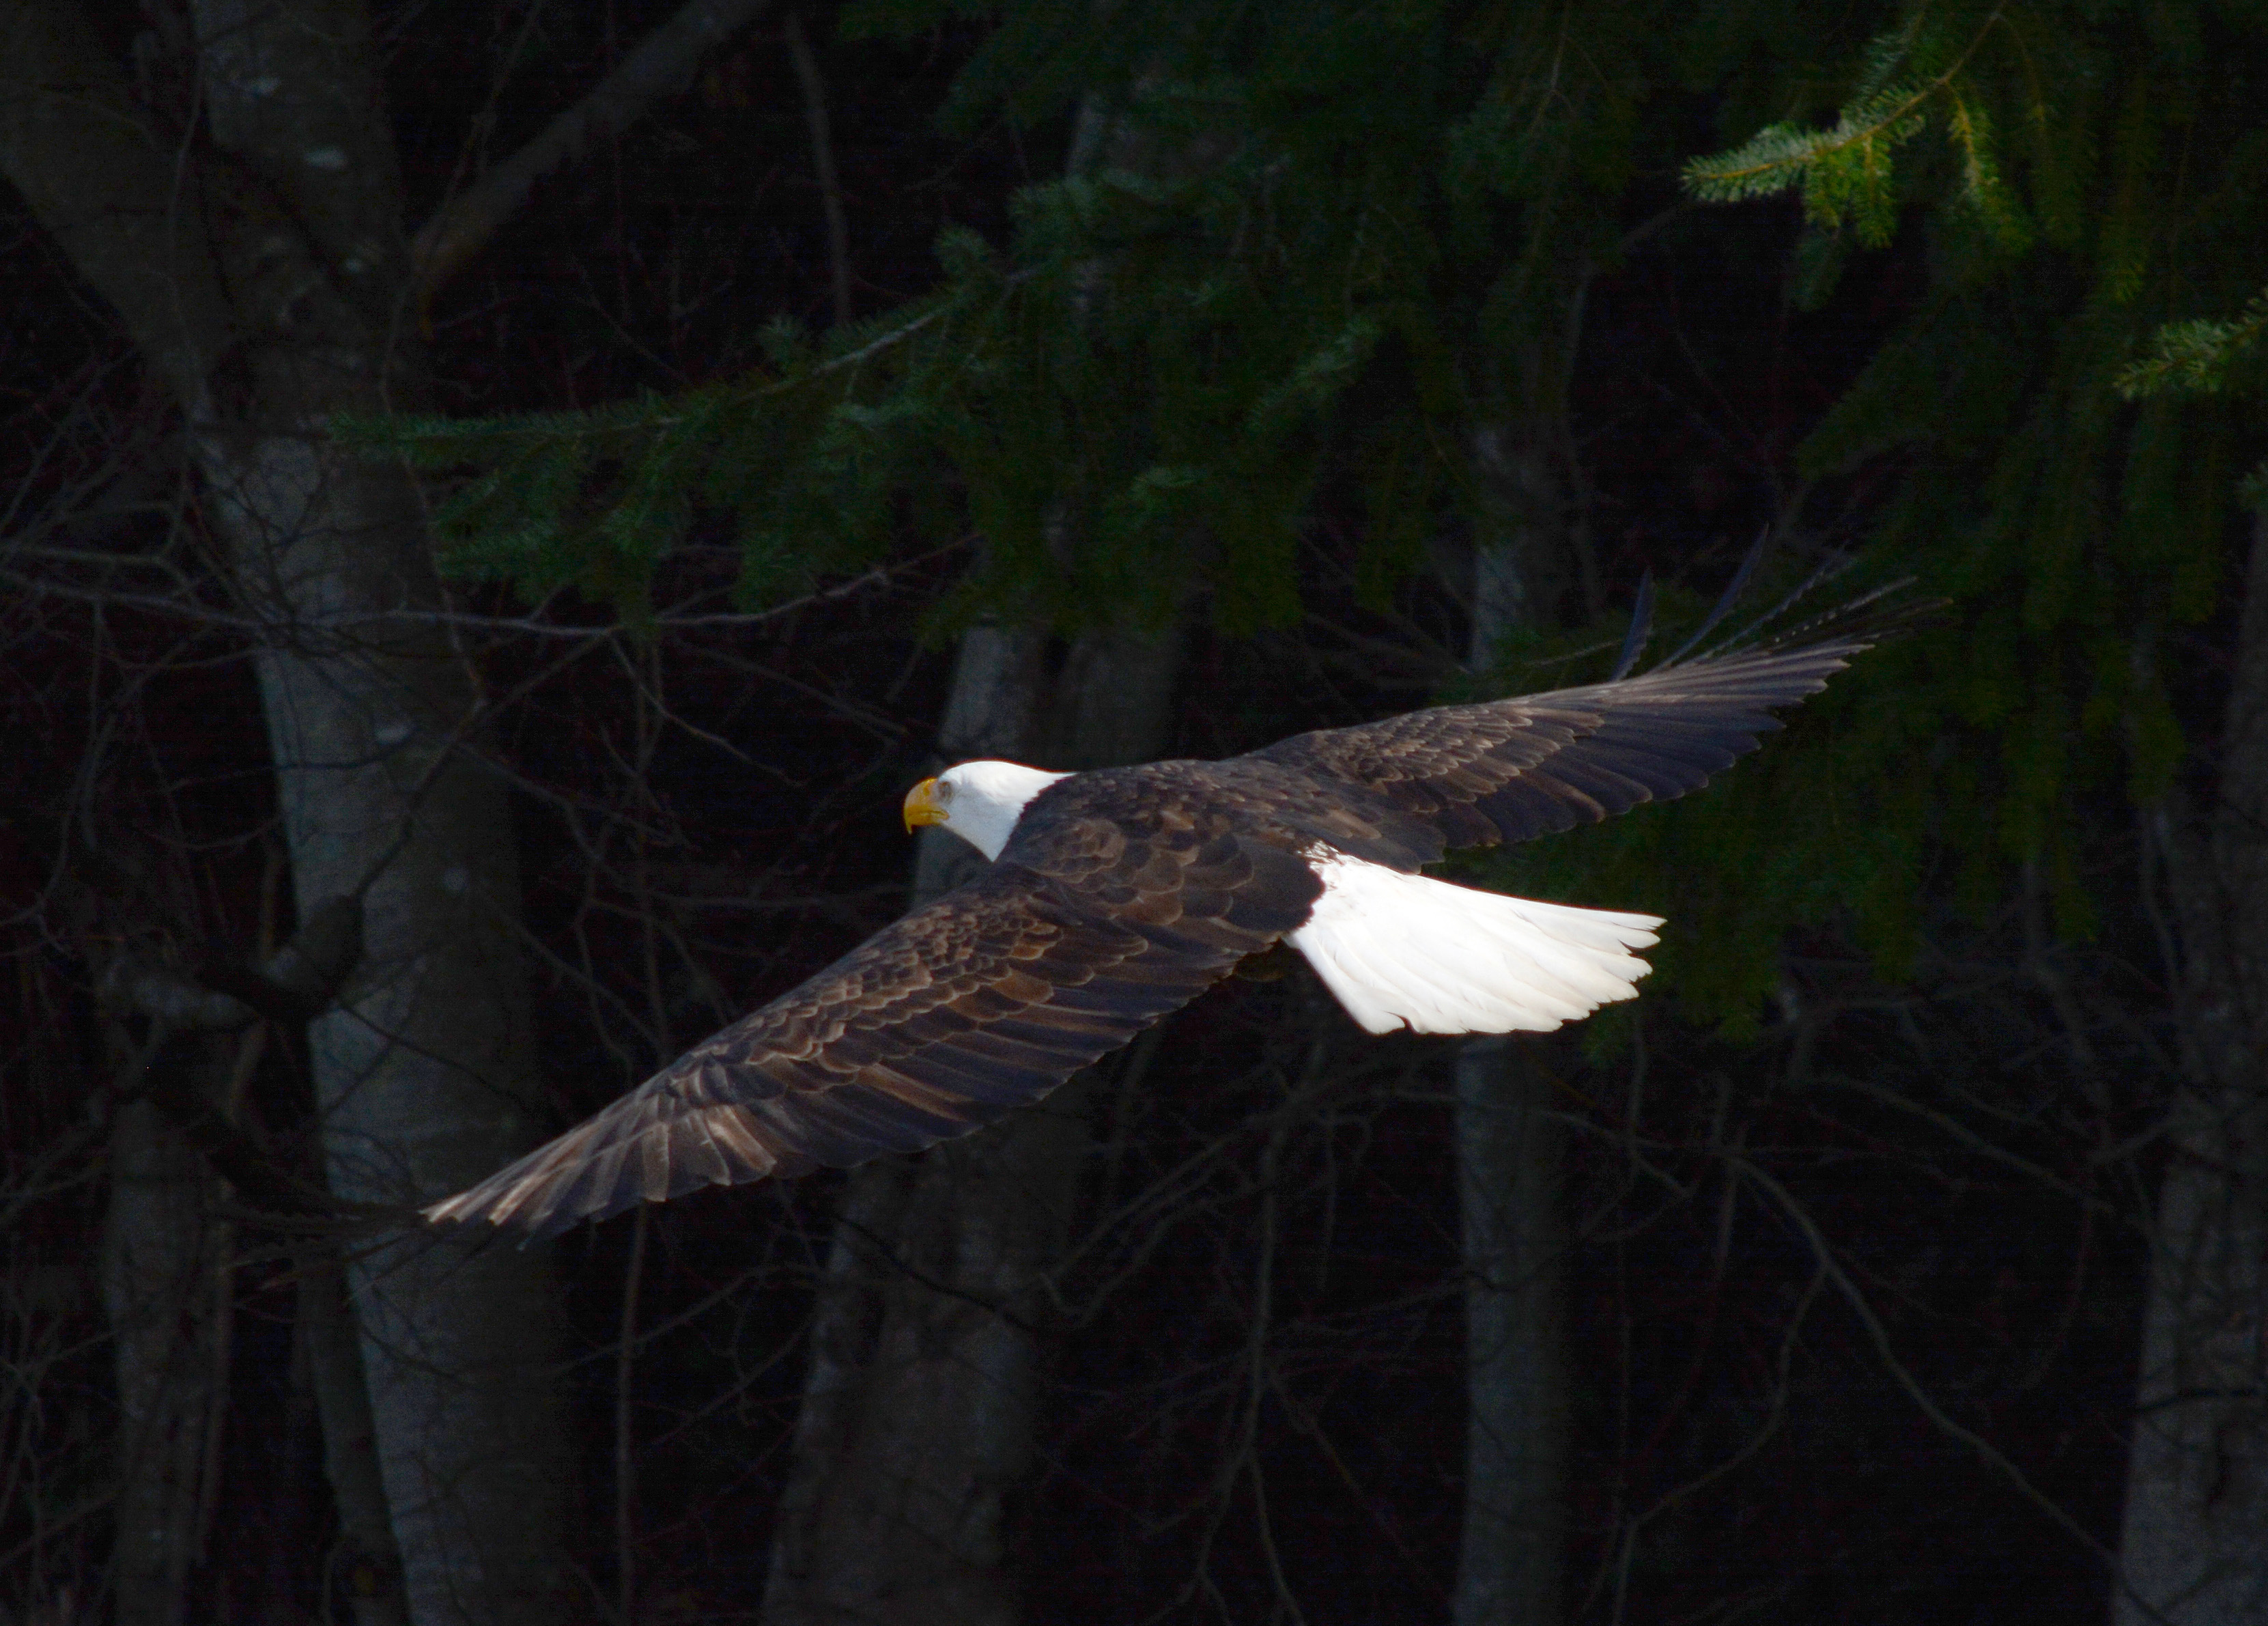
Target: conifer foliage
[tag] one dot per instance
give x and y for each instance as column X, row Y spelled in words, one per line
column 2087, row 180
column 1380, row 197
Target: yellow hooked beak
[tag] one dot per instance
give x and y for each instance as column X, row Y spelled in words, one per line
column 924, row 806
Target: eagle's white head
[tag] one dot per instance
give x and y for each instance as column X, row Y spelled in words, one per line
column 979, row 802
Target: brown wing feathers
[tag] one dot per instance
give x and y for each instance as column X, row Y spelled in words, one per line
column 1510, row 769
column 983, row 1001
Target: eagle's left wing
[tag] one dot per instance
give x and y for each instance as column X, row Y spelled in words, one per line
column 981, row 1000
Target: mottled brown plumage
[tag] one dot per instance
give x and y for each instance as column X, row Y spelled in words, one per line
column 1459, row 776
column 984, row 1000
column 1120, row 895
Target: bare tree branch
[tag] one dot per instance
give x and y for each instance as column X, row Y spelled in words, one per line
column 659, row 67
column 822, row 160
column 97, row 175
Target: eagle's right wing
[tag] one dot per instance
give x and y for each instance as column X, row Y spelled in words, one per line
column 983, row 1000
column 1510, row 769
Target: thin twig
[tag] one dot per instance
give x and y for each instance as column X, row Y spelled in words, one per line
column 1879, row 1336
column 822, row 160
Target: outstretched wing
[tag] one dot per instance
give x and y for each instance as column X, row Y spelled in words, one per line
column 1509, row 770
column 982, row 1000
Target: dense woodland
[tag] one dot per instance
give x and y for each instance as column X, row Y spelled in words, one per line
column 502, row 499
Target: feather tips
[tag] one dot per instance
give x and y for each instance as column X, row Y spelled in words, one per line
column 1510, row 769
column 982, row 1000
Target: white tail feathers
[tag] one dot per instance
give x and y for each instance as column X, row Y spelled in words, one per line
column 1407, row 950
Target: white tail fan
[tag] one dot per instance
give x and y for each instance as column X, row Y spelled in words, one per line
column 1406, row 951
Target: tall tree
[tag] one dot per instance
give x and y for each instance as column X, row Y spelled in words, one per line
column 928, row 1342
column 1510, row 1152
column 927, row 1345
column 2129, row 198
column 161, row 1287
column 261, row 261
column 1575, row 96
column 2195, row 1547
column 1509, row 1146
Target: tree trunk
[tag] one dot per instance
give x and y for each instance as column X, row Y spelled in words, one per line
column 1509, row 1151
column 265, row 288
column 2195, row 1547
column 366, row 1561
column 425, row 1073
column 1509, row 1148
column 918, row 1410
column 161, row 1288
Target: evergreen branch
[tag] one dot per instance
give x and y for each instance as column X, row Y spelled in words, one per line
column 1845, row 172
column 2198, row 358
column 1969, row 124
column 432, row 441
column 1780, row 157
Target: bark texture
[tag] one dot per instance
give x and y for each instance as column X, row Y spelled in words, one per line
column 917, row 1423
column 265, row 281
column 366, row 1562
column 1509, row 1150
column 425, row 1073
column 164, row 1291
column 2195, row 1547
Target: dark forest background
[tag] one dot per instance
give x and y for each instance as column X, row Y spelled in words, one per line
column 501, row 500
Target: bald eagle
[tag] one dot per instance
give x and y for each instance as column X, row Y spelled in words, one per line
column 1118, row 896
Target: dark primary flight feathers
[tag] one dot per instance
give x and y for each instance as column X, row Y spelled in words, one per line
column 1120, row 895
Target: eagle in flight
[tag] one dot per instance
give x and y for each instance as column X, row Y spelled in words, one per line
column 1118, row 896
